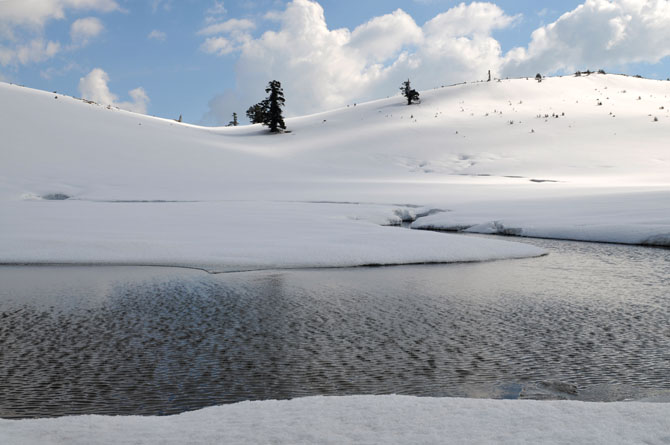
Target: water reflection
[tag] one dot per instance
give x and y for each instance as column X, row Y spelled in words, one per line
column 588, row 322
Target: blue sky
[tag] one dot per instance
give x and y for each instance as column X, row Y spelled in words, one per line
column 205, row 59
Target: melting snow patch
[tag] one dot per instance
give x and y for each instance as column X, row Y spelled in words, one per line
column 405, row 215
column 428, row 212
column 30, row 197
column 496, row 228
column 46, row 197
column 55, row 197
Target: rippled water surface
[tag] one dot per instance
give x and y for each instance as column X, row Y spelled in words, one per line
column 587, row 322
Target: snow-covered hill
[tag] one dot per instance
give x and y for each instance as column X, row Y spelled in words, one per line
column 512, row 131
column 575, row 157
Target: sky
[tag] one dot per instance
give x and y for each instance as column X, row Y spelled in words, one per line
column 205, row 59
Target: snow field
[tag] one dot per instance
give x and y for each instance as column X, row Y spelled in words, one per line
column 482, row 150
column 365, row 420
column 230, row 236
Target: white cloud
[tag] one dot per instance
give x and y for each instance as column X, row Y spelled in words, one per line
column 30, row 16
column 229, row 26
column 218, row 45
column 37, row 50
column 6, row 56
column 217, row 8
column 157, row 35
column 235, row 34
column 597, row 34
column 222, row 107
column 382, row 37
column 458, row 44
column 94, row 87
column 35, row 13
column 466, row 20
column 82, row 30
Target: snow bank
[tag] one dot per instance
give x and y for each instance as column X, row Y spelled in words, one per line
column 365, row 419
column 229, row 236
column 627, row 218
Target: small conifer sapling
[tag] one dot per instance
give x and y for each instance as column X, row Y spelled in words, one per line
column 234, row 122
column 410, row 94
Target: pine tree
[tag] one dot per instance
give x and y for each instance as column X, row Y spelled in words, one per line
column 256, row 113
column 234, row 122
column 409, row 93
column 275, row 101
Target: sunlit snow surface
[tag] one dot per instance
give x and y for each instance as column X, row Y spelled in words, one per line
column 514, row 157
column 232, row 236
column 366, row 419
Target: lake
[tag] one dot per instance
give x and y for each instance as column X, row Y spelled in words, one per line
column 587, row 322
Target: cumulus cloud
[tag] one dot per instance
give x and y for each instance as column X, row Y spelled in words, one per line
column 597, row 34
column 473, row 19
column 82, row 30
column 221, row 108
column 94, row 87
column 458, row 44
column 157, row 35
column 382, row 37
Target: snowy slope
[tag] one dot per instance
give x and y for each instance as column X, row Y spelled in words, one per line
column 145, row 189
column 91, row 152
column 365, row 419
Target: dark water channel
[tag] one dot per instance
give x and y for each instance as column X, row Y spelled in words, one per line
column 587, row 322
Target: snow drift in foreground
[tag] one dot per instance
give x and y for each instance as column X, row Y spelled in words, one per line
column 365, row 419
